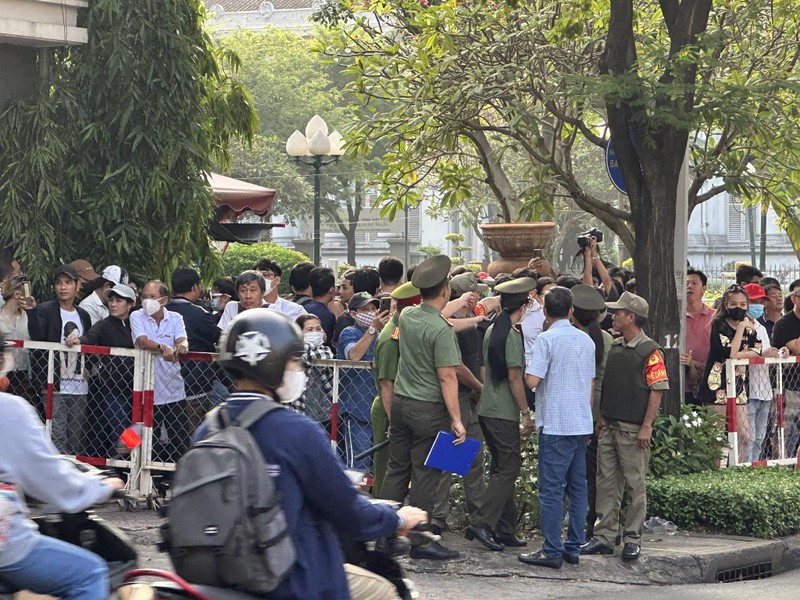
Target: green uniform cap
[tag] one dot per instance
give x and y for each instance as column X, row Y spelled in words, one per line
column 431, row 272
column 521, row 285
column 405, row 291
column 587, row 298
column 467, row 282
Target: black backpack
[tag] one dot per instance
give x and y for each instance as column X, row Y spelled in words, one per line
column 226, row 524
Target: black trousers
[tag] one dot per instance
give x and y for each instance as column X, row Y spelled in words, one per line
column 499, row 512
column 591, row 481
column 413, row 429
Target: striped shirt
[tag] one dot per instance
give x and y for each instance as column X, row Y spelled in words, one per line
column 563, row 358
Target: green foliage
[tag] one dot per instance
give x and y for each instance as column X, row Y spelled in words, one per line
column 762, row 502
column 242, row 257
column 506, row 93
column 429, row 250
column 690, row 443
column 106, row 161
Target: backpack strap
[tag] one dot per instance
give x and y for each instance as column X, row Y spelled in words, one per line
column 254, row 412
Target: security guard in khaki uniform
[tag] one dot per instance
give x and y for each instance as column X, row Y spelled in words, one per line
column 634, row 382
column 385, row 358
column 425, row 395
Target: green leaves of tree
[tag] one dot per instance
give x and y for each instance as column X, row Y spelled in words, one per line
column 107, row 161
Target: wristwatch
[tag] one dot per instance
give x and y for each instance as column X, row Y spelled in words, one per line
column 372, row 330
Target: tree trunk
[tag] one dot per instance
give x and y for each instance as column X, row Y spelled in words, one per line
column 654, row 224
column 350, row 236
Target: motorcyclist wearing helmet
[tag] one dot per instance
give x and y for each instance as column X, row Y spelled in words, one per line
column 29, row 465
column 262, row 352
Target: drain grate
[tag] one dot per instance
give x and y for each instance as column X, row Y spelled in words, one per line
column 747, row 573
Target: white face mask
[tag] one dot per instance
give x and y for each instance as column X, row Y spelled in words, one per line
column 292, row 386
column 268, row 288
column 150, row 306
column 314, row 338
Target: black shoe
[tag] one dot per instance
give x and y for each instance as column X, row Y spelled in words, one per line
column 631, row 551
column 484, row 536
column 433, row 551
column 572, row 559
column 540, row 559
column 511, row 540
column 595, row 546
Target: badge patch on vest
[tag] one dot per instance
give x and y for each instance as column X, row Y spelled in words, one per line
column 655, row 370
column 396, row 334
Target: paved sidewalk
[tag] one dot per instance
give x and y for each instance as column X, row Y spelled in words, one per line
column 665, row 560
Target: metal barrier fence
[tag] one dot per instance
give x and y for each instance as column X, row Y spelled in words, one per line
column 762, row 409
column 89, row 395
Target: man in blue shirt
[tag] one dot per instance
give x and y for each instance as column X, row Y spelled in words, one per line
column 357, row 386
column 261, row 351
column 562, row 370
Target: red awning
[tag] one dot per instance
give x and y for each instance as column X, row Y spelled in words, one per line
column 235, row 197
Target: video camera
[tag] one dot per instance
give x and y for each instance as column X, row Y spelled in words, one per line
column 584, row 238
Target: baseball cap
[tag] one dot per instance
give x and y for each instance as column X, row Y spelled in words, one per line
column 755, row 291
column 67, row 270
column 632, row 303
column 121, row 290
column 361, row 299
column 115, row 274
column 467, row 282
column 84, row 269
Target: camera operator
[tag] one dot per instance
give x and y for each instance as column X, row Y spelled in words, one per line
column 591, row 259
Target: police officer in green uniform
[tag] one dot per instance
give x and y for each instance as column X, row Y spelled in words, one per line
column 502, row 402
column 633, row 383
column 425, row 395
column 385, row 358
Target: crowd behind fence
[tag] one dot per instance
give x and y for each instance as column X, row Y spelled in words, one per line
column 89, row 396
column 762, row 410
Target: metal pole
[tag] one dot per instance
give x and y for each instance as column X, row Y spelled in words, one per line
column 317, row 164
column 407, row 253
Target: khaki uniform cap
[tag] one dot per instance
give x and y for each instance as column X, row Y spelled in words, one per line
column 467, row 282
column 631, row 302
column 586, row 297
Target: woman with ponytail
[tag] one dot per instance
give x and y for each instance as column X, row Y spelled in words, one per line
column 502, row 402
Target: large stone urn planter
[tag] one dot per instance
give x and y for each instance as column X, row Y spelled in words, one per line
column 516, row 243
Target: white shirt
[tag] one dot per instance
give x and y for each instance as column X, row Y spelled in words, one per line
column 289, row 309
column 758, row 382
column 532, row 325
column 93, row 305
column 71, row 380
column 169, row 382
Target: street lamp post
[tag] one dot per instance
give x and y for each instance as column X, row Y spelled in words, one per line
column 316, row 149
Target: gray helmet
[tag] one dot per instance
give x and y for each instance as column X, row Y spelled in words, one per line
column 257, row 345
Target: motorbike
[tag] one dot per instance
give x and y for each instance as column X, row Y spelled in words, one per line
column 86, row 530
column 378, row 556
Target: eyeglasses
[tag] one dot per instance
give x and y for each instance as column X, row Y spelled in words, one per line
column 268, row 275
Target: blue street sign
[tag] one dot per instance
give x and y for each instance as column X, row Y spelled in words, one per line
column 613, row 170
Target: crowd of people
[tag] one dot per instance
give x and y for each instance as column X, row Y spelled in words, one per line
column 492, row 359
column 752, row 319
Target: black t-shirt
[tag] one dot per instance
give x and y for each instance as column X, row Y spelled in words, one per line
column 470, row 343
column 786, row 329
column 713, row 387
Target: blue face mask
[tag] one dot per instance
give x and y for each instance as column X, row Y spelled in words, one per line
column 755, row 311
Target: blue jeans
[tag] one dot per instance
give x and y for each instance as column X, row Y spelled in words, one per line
column 59, row 569
column 562, row 464
column 357, row 439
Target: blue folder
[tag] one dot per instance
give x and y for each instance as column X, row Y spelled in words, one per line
column 446, row 456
